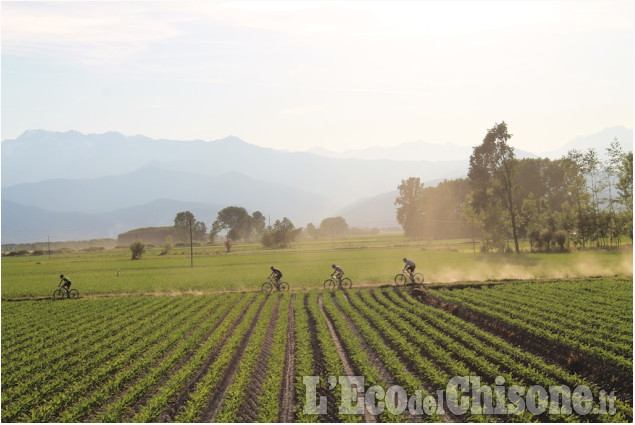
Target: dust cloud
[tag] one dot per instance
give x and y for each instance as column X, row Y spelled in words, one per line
column 560, row 267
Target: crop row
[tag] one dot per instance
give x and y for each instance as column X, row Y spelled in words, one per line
column 544, row 320
column 233, row 357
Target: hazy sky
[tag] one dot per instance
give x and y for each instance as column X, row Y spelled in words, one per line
column 340, row 75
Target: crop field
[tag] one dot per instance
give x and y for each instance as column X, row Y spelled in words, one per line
column 417, row 354
column 368, row 261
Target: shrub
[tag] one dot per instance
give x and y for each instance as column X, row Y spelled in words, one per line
column 137, row 248
column 167, row 245
column 546, row 236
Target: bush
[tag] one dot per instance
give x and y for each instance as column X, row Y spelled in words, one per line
column 167, row 245
column 137, row 248
column 546, row 236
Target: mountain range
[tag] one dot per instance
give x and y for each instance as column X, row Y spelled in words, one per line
column 69, row 186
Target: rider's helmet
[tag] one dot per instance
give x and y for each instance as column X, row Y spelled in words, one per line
column 61, row 276
column 273, row 268
column 405, row 259
column 333, row 265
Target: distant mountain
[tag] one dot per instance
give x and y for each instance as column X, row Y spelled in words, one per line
column 40, row 155
column 599, row 141
column 375, row 211
column 419, row 150
column 26, row 224
column 412, row 151
column 150, row 183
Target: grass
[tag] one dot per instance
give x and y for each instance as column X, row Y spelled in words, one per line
column 367, row 260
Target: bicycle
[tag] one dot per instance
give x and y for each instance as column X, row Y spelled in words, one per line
column 270, row 284
column 402, row 278
column 61, row 293
column 332, row 282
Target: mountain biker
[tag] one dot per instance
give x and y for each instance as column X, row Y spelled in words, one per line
column 64, row 283
column 275, row 274
column 409, row 267
column 337, row 270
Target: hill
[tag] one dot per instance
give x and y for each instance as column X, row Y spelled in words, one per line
column 26, row 224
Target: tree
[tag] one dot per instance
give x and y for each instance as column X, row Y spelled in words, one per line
column 235, row 220
column 182, row 223
column 625, row 182
column 137, row 248
column 625, row 191
column 491, row 175
column 281, row 235
column 199, row 230
column 333, row 226
column 257, row 224
column 410, row 213
column 312, row 231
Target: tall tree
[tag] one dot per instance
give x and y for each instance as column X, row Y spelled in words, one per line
column 625, row 191
column 281, row 234
column 625, row 183
column 235, row 220
column 410, row 211
column 257, row 224
column 182, row 223
column 333, row 226
column 491, row 175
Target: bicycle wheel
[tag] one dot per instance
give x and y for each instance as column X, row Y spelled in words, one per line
column 401, row 279
column 73, row 294
column 347, row 283
column 329, row 284
column 58, row 294
column 267, row 287
column 284, row 287
column 418, row 278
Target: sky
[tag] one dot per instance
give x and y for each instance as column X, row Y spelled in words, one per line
column 337, row 75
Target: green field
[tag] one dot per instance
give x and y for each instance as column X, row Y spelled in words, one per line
column 368, row 261
column 222, row 351
column 243, row 357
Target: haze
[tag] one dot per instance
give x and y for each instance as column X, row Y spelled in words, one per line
column 338, row 75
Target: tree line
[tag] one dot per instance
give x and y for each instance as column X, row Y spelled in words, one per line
column 238, row 225
column 578, row 199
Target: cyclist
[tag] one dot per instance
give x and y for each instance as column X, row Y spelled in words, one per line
column 276, row 275
column 65, row 283
column 337, row 270
column 409, row 267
